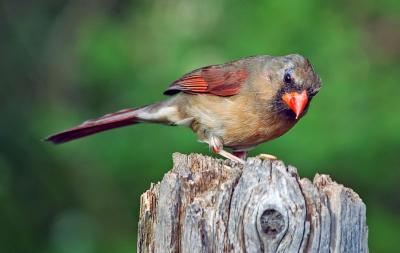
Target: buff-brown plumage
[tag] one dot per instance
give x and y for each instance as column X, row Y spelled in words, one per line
column 239, row 104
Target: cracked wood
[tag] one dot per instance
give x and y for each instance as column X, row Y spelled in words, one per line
column 209, row 205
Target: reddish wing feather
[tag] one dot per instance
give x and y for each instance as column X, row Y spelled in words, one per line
column 220, row 80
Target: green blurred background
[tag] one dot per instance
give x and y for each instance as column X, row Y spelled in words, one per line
column 63, row 62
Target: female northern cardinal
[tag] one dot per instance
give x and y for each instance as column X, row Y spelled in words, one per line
column 239, row 104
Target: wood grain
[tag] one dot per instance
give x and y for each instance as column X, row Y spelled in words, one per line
column 209, row 205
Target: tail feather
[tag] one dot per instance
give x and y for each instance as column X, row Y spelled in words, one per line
column 114, row 120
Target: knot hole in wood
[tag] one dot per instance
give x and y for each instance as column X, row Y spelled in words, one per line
column 272, row 222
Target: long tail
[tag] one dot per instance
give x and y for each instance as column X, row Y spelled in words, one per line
column 121, row 118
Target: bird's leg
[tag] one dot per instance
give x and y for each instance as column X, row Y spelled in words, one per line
column 216, row 145
column 241, row 154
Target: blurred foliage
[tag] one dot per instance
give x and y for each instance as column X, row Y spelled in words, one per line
column 65, row 61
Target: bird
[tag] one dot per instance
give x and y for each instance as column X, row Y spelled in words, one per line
column 237, row 105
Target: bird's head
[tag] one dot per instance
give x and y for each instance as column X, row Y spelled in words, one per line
column 294, row 84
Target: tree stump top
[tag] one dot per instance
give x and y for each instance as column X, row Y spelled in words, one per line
column 210, row 205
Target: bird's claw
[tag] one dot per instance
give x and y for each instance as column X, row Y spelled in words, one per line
column 267, row 157
column 216, row 145
column 231, row 156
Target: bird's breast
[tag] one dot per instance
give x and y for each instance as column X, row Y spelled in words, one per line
column 255, row 131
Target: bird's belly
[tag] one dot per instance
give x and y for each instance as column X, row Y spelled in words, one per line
column 235, row 120
column 249, row 135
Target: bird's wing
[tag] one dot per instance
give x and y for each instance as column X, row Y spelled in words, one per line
column 221, row 80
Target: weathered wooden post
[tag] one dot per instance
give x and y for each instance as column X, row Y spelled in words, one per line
column 207, row 205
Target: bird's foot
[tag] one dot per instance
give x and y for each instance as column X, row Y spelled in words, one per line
column 216, row 145
column 267, row 157
column 241, row 154
column 230, row 156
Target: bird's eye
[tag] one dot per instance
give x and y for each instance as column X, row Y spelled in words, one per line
column 288, row 79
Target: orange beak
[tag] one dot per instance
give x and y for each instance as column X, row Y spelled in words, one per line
column 297, row 102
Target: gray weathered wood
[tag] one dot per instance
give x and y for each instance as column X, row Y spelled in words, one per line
column 209, row 205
